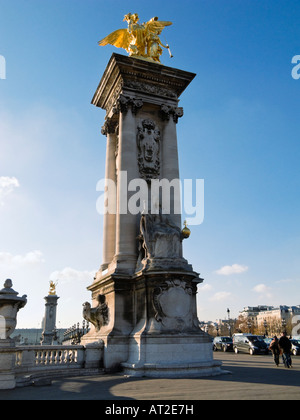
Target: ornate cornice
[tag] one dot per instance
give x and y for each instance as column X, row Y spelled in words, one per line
column 128, row 75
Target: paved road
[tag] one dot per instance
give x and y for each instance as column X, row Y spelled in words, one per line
column 251, row 378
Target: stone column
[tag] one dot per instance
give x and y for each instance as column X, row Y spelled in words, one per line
column 170, row 161
column 127, row 170
column 50, row 319
column 109, row 218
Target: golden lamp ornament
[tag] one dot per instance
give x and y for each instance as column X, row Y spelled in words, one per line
column 185, row 231
column 140, row 40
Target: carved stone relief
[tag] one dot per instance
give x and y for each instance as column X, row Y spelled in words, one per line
column 148, row 142
column 150, row 88
column 172, row 302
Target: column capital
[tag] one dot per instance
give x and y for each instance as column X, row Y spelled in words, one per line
column 109, row 127
column 124, row 101
column 166, row 111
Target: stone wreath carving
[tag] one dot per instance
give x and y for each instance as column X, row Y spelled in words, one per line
column 97, row 316
column 148, row 142
column 172, row 302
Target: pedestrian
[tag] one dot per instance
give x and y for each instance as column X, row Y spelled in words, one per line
column 285, row 347
column 274, row 347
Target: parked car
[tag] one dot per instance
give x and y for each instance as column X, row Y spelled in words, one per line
column 268, row 341
column 223, row 343
column 248, row 343
column 295, row 347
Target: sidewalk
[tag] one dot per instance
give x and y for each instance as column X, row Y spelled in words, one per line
column 251, row 378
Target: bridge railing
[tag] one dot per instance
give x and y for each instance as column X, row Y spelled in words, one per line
column 58, row 360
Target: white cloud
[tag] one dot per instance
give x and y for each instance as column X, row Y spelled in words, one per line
column 284, row 281
column 31, row 258
column 205, row 287
column 7, row 186
column 263, row 290
column 220, row 296
column 68, row 275
column 227, row 270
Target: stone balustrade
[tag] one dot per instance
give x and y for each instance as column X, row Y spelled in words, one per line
column 33, row 363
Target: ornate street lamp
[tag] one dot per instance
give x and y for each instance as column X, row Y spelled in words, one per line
column 249, row 326
column 228, row 313
column 266, row 326
column 283, row 323
column 229, row 329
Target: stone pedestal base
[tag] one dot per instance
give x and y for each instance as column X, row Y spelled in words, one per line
column 7, row 364
column 111, row 316
column 171, row 357
column 149, row 326
column 115, row 348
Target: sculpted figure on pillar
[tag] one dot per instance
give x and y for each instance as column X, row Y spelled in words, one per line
column 140, row 40
column 160, row 238
column 98, row 316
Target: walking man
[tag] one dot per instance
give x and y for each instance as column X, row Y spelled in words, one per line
column 274, row 347
column 285, row 348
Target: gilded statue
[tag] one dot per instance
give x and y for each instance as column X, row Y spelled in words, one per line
column 140, row 40
column 52, row 291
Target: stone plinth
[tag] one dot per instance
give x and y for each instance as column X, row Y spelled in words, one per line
column 167, row 340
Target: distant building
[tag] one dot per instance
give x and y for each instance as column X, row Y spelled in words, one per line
column 269, row 318
column 251, row 312
column 277, row 316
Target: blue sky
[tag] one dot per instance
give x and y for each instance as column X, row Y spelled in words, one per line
column 239, row 132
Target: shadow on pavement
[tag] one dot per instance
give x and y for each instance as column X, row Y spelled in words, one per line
column 257, row 375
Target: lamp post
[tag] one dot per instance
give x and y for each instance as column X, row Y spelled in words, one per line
column 283, row 323
column 229, row 325
column 249, row 326
column 266, row 326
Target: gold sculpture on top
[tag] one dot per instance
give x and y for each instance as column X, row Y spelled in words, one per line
column 52, row 291
column 140, row 40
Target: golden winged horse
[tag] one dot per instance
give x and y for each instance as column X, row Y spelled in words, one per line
column 139, row 40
